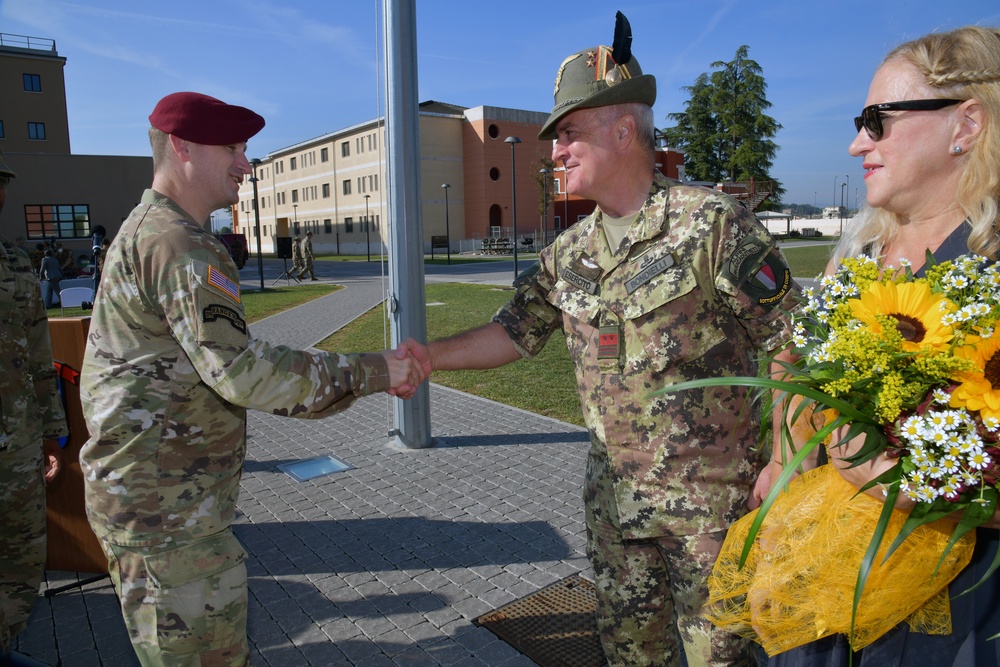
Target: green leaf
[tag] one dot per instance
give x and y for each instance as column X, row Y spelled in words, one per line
column 873, row 546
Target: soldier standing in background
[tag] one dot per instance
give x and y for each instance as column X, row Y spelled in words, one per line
column 168, row 373
column 307, row 257
column 661, row 284
column 32, row 421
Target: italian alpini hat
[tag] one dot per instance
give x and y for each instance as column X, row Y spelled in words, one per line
column 204, row 120
column 598, row 77
column 4, row 169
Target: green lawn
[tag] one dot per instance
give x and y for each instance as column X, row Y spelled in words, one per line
column 256, row 305
column 808, row 261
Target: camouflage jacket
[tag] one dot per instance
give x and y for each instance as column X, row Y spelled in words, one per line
column 697, row 289
column 30, row 406
column 307, row 249
column 168, row 372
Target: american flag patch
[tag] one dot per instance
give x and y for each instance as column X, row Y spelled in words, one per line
column 218, row 280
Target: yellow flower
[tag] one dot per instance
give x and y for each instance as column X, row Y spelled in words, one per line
column 980, row 387
column 916, row 310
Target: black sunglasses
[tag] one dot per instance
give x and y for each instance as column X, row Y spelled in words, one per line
column 871, row 116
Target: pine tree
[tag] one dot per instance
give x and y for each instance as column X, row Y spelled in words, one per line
column 724, row 131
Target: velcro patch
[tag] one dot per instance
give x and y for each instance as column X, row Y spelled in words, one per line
column 771, row 282
column 219, row 281
column 213, row 312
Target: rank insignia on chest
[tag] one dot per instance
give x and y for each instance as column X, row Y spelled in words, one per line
column 609, row 342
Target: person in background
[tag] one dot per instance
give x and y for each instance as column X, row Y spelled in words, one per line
column 298, row 265
column 66, row 264
column 168, row 373
column 929, row 141
column 51, row 272
column 33, row 421
column 662, row 283
column 307, row 257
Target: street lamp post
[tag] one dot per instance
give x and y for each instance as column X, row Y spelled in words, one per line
column 513, row 141
column 842, row 185
column 848, row 177
column 256, row 216
column 368, row 236
column 447, row 226
column 545, row 199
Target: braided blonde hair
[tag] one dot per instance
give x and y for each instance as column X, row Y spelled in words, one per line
column 961, row 64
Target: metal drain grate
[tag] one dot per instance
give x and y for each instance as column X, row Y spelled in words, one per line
column 555, row 626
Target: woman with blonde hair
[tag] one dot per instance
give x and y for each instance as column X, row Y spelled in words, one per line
column 929, row 140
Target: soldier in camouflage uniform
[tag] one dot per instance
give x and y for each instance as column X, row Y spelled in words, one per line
column 169, row 371
column 307, row 257
column 663, row 283
column 298, row 266
column 30, row 414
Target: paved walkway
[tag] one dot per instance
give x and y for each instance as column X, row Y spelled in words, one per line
column 386, row 563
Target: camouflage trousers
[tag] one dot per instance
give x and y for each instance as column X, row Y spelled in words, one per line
column 650, row 593
column 22, row 546
column 184, row 605
column 307, row 267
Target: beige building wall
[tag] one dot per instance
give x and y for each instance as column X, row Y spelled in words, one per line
column 332, row 183
column 33, row 92
column 104, row 187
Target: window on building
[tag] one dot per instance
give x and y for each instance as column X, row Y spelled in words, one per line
column 291, row 164
column 295, row 229
column 376, row 182
column 347, row 187
column 295, row 196
column 327, row 226
column 36, row 131
column 326, row 191
column 345, row 149
column 324, row 155
column 32, row 83
column 61, row 221
column 1, row 130
column 348, row 225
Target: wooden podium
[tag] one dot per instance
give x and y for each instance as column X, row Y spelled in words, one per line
column 73, row 547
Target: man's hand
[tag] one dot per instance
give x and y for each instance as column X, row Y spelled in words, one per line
column 418, row 351
column 52, row 454
column 406, row 374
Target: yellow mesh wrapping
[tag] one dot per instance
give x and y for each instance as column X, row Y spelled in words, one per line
column 798, row 582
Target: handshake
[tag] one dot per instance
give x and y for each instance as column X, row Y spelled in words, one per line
column 409, row 365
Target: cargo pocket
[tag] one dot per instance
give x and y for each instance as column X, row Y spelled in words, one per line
column 200, row 594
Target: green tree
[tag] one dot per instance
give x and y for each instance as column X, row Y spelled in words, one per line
column 724, row 131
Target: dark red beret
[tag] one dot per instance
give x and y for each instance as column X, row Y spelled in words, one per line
column 204, row 120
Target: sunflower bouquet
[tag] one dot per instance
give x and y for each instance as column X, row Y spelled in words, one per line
column 910, row 366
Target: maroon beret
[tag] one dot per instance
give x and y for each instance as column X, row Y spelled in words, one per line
column 204, row 120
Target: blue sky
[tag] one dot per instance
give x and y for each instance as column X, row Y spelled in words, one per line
column 311, row 67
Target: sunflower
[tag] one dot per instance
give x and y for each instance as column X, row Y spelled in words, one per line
column 980, row 388
column 917, row 311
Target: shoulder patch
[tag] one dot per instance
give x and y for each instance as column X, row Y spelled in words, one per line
column 219, row 281
column 771, row 282
column 214, row 311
